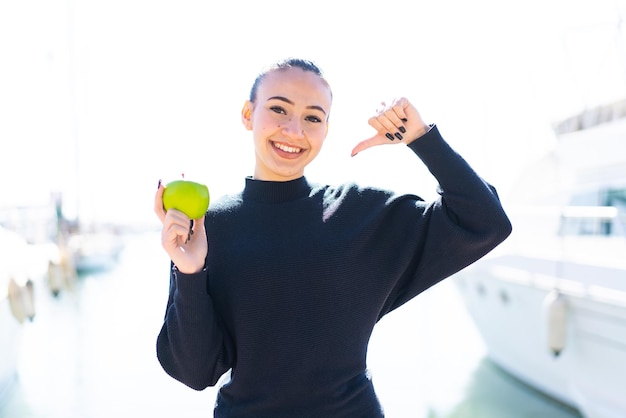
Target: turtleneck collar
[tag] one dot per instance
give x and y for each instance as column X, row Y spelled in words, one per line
column 276, row 191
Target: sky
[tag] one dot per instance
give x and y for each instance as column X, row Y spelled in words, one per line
column 101, row 99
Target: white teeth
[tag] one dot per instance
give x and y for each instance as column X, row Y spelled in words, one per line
column 287, row 148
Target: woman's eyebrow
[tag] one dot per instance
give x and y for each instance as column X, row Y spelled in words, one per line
column 286, row 100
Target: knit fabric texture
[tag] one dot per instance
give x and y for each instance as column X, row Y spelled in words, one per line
column 298, row 274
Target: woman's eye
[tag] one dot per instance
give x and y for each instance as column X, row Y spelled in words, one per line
column 314, row 119
column 278, row 109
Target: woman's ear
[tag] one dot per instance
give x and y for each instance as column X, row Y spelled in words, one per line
column 246, row 115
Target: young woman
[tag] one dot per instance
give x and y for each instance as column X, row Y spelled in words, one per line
column 282, row 283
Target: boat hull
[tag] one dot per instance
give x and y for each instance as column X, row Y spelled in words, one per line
column 509, row 297
column 10, row 336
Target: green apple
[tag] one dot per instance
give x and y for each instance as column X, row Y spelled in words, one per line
column 189, row 197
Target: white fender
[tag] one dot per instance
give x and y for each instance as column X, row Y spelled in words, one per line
column 22, row 300
column 61, row 272
column 556, row 312
column 56, row 277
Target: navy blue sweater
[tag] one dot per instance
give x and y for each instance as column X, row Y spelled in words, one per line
column 297, row 275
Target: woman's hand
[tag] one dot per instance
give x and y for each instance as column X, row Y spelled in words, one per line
column 397, row 123
column 183, row 240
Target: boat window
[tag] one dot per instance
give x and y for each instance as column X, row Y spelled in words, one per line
column 598, row 213
column 617, row 199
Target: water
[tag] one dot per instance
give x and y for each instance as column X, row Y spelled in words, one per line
column 91, row 353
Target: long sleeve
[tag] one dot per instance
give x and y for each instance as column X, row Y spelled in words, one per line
column 192, row 346
column 460, row 227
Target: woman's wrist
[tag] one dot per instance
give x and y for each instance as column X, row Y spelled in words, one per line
column 423, row 131
column 189, row 271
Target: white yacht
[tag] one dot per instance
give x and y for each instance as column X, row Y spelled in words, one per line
column 550, row 302
column 17, row 263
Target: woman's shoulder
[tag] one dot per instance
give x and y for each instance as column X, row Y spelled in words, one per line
column 350, row 191
column 225, row 203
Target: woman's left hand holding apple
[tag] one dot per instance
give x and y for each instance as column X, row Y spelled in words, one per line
column 186, row 247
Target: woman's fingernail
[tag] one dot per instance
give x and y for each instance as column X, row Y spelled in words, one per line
column 159, row 186
column 402, row 129
column 404, row 120
column 388, row 135
column 398, row 136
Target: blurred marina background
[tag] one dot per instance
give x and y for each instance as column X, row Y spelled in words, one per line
column 100, row 100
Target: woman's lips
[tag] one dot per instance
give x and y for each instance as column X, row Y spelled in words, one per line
column 287, row 151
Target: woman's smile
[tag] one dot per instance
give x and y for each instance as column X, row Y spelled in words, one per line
column 285, row 150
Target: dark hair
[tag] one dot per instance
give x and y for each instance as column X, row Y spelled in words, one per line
column 304, row 65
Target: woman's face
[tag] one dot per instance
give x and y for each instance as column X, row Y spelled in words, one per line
column 289, row 122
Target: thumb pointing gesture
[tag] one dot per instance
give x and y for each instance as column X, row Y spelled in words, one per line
column 397, row 123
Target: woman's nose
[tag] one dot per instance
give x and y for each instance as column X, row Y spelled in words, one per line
column 293, row 128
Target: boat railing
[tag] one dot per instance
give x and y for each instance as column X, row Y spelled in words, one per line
column 603, row 221
column 592, row 221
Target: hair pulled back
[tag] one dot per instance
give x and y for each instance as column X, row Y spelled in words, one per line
column 303, row 64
